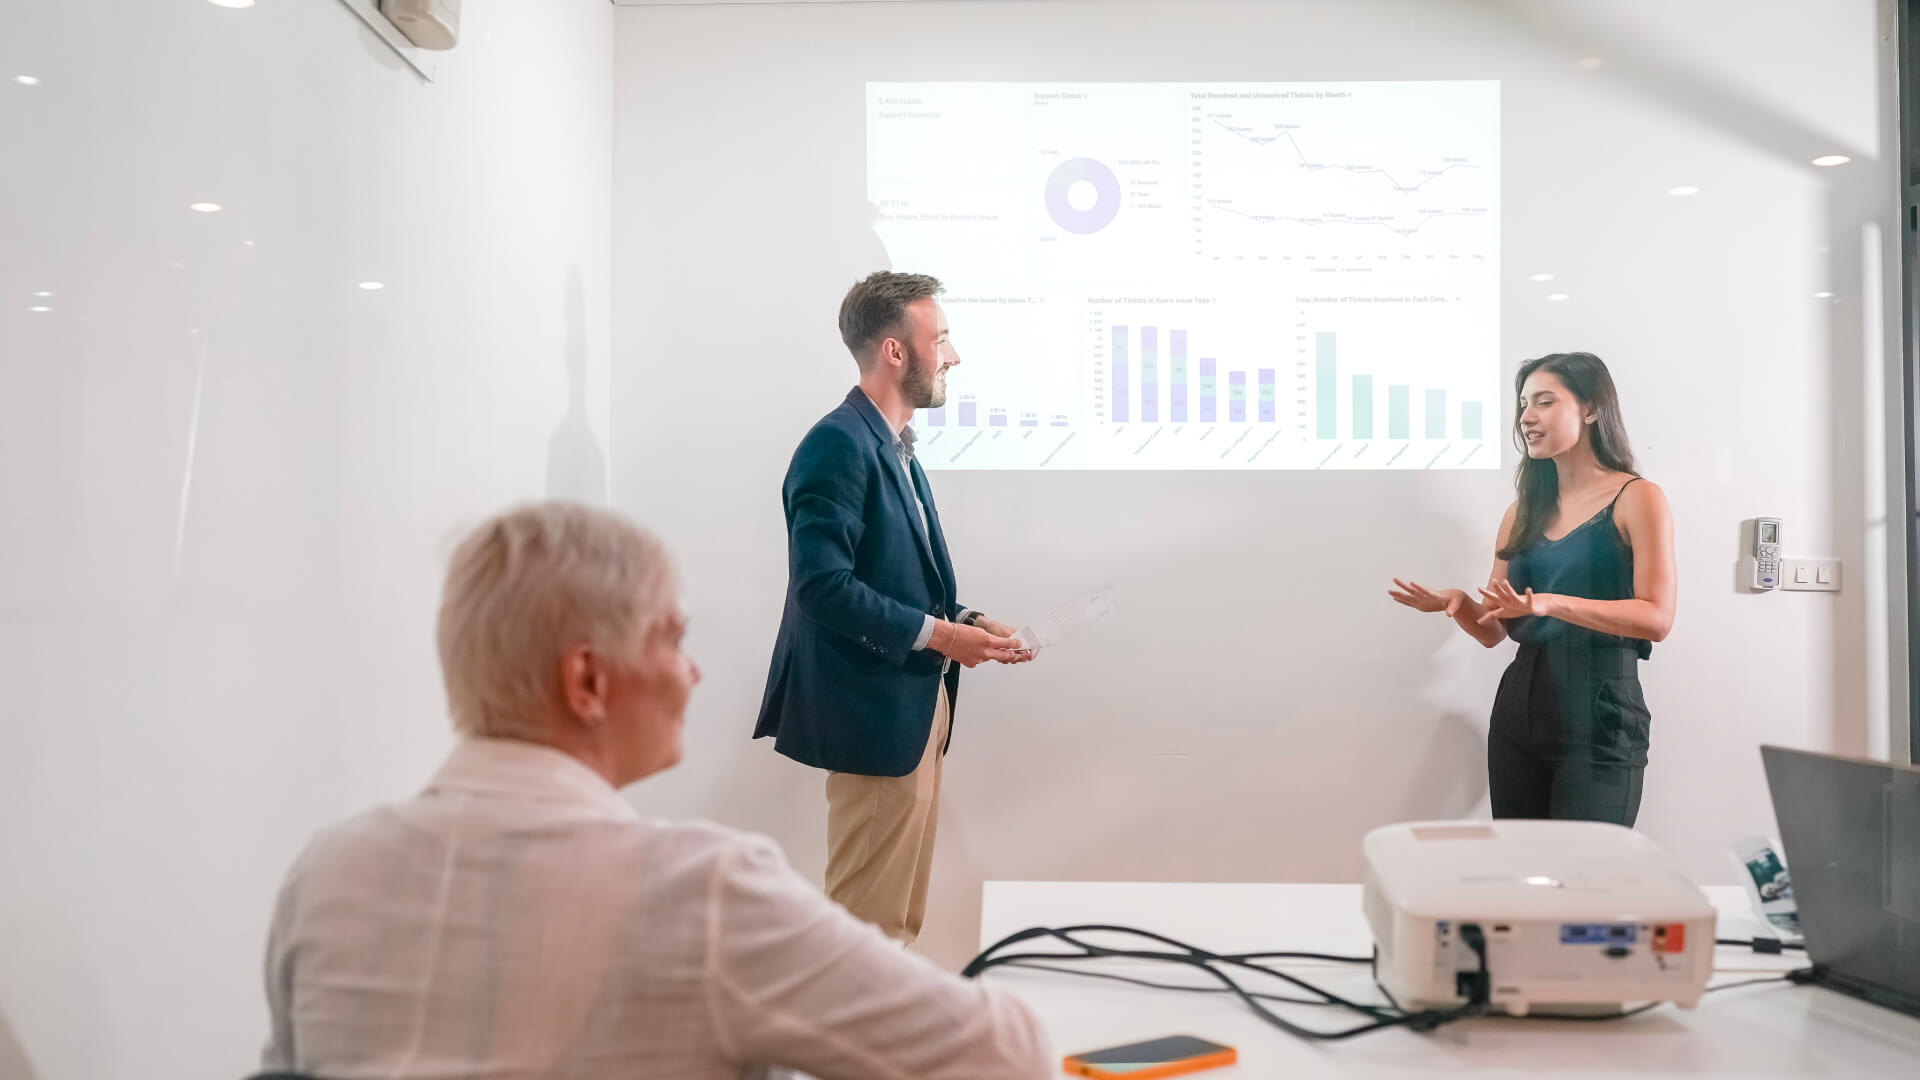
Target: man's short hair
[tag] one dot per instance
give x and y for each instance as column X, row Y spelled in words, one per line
column 525, row 587
column 877, row 307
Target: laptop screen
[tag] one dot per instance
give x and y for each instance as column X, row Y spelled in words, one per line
column 1851, row 830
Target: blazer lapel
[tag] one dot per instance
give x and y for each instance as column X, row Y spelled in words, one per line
column 890, row 461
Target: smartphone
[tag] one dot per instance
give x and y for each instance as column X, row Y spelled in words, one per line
column 1175, row 1055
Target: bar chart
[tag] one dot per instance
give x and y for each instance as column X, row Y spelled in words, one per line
column 1304, row 382
column 1003, row 410
column 1327, row 412
column 1191, row 391
column 1412, row 373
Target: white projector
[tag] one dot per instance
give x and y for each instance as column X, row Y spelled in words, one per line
column 1573, row 916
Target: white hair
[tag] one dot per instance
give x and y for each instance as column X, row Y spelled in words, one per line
column 525, row 587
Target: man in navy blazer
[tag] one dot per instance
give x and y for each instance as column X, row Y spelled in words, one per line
column 864, row 672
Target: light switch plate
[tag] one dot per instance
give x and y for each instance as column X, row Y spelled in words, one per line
column 1810, row 575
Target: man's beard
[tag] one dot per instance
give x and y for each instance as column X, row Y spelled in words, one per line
column 920, row 385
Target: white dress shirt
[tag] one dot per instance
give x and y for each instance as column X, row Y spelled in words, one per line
column 518, row 919
column 926, row 627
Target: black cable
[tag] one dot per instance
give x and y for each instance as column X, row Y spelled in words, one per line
column 1327, row 957
column 1189, row 954
column 1477, row 984
column 1480, row 987
column 1379, row 1018
column 1797, row 975
column 1151, row 985
column 1764, row 945
column 1373, row 969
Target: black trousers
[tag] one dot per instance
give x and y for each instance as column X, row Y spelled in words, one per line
column 1569, row 735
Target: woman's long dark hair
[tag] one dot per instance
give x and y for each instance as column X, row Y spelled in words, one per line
column 1537, row 483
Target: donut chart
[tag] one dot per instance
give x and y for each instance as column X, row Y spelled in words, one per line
column 1106, row 203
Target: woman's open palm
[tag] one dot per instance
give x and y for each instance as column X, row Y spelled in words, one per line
column 1503, row 603
column 1420, row 598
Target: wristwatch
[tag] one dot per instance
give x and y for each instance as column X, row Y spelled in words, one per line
column 972, row 617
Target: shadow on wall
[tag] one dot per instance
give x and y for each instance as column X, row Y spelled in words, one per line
column 576, row 462
column 1452, row 781
column 1456, row 698
column 13, row 1057
column 830, row 249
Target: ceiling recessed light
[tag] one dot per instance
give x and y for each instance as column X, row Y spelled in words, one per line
column 205, row 207
column 1541, row 277
column 1828, row 161
column 26, row 80
column 39, row 308
column 1588, row 63
column 1823, row 296
column 1543, row 882
column 1683, row 189
column 372, row 286
column 1557, row 296
column 232, row 3
column 43, row 294
column 246, row 243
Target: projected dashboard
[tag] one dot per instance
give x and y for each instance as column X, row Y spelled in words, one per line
column 1202, row 275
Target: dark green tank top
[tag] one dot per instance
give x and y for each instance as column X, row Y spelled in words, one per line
column 1592, row 562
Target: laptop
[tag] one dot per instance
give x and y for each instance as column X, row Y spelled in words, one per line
column 1851, row 834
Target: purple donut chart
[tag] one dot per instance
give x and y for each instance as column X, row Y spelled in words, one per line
column 1106, row 202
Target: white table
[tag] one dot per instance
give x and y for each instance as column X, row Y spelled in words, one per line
column 1755, row 1032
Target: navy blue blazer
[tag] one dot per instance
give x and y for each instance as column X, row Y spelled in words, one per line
column 846, row 690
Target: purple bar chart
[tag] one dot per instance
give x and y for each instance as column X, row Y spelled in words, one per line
column 1177, row 373
column 1149, row 375
column 1148, row 389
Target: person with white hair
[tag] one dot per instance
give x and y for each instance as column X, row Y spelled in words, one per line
column 518, row 919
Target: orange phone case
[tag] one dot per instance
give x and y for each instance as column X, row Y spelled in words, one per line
column 1228, row 1056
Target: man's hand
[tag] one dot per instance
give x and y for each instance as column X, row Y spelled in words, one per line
column 973, row 645
column 1000, row 629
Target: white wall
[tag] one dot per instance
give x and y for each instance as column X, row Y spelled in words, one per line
column 188, row 695
column 1262, row 703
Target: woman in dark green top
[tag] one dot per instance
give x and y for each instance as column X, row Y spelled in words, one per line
column 1583, row 579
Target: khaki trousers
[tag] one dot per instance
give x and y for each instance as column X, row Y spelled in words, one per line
column 880, row 838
